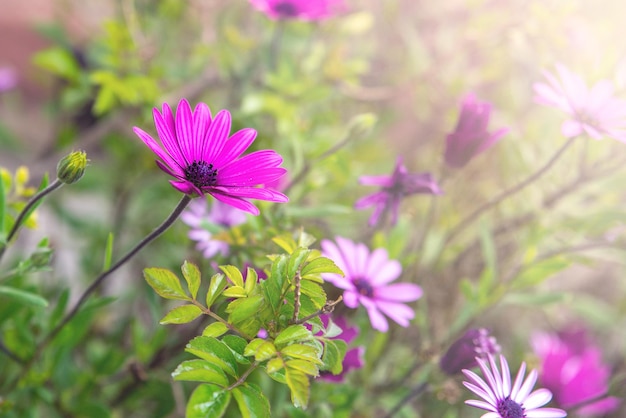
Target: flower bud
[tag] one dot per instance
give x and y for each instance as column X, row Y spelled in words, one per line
column 462, row 354
column 72, row 167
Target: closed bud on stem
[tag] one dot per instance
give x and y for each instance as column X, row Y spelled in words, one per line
column 72, row 167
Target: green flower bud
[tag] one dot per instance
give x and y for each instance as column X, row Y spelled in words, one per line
column 72, row 167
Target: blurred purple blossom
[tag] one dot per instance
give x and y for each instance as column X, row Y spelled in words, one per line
column 197, row 151
column 476, row 342
column 205, row 222
column 594, row 111
column 366, row 282
column 471, row 136
column 504, row 400
column 572, row 368
column 8, row 79
column 308, row 10
column 354, row 356
column 394, row 188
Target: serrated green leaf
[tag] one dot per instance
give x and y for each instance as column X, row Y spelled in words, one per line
column 251, row 402
column 296, row 260
column 165, row 283
column 303, row 352
column 243, row 309
column 334, row 352
column 233, row 274
column 303, row 366
column 200, row 371
column 315, row 292
column 207, row 401
column 273, row 286
column 253, row 346
column 181, row 315
column 108, row 252
column 286, row 242
column 216, row 286
column 318, row 266
column 251, row 280
column 216, row 329
column 298, row 383
column 292, row 334
column 235, row 292
column 214, row 351
column 193, row 278
column 305, row 240
column 274, row 365
column 265, row 351
column 23, row 296
column 237, row 346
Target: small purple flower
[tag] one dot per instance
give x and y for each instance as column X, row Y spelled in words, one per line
column 572, row 368
column 471, row 137
column 366, row 282
column 8, row 79
column 204, row 160
column 354, row 356
column 307, row 10
column 594, row 111
column 393, row 189
column 503, row 400
column 476, row 342
column 205, row 223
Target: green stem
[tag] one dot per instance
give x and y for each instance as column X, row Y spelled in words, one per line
column 28, row 209
column 415, row 392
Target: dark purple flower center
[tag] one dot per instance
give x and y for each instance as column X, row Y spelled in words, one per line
column 586, row 118
column 508, row 408
column 201, row 174
column 363, row 287
column 286, row 9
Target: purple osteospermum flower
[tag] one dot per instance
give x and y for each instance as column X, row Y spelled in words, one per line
column 476, row 342
column 594, row 111
column 204, row 223
column 204, row 160
column 505, row 401
column 471, row 137
column 308, row 10
column 354, row 356
column 572, row 368
column 393, row 188
column 366, row 282
column 8, row 79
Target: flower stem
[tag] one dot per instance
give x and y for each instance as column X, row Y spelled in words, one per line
column 417, row 390
column 506, row 194
column 104, row 275
column 28, row 209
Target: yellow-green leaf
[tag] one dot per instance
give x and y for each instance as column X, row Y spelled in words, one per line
column 193, row 278
column 165, row 283
column 181, row 315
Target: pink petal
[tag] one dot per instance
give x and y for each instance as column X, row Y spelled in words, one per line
column 216, row 137
column 399, row 292
column 399, row 313
column 236, row 202
column 166, row 129
column 235, row 146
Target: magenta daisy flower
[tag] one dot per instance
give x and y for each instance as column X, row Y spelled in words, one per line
column 471, row 136
column 594, row 111
column 308, row 10
column 505, row 401
column 198, row 152
column 394, row 188
column 366, row 282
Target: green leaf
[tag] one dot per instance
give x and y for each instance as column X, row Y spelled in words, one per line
column 237, row 346
column 207, row 401
column 192, row 276
column 181, row 315
column 235, row 292
column 59, row 61
column 251, row 280
column 23, row 296
column 296, row 260
column 292, row 334
column 303, row 366
column 3, row 205
column 216, row 329
column 243, row 309
column 215, row 351
column 217, row 285
column 298, row 383
column 200, row 371
column 275, row 365
column 165, row 283
column 233, row 274
column 303, row 352
column 108, row 252
column 265, row 351
column 253, row 346
column 315, row 292
column 286, row 242
column 320, row 265
column 334, row 352
column 251, row 402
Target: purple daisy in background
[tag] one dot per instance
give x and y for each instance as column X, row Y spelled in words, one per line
column 394, row 188
column 572, row 368
column 205, row 223
column 366, row 282
column 354, row 356
column 462, row 354
column 505, row 401
column 594, row 111
column 8, row 79
column 308, row 10
column 471, row 136
column 198, row 152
